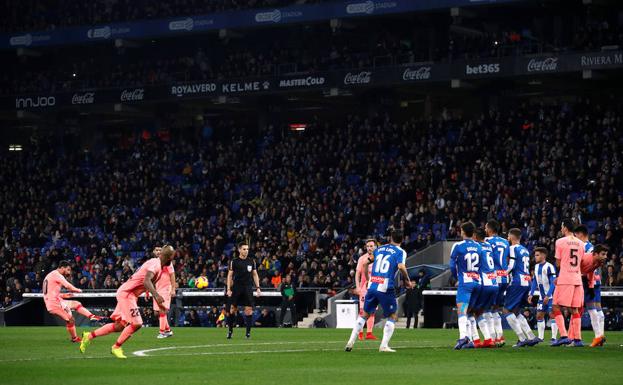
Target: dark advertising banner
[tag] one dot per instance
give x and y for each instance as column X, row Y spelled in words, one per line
column 228, row 20
column 413, row 74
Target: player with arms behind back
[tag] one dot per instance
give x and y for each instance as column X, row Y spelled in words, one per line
column 464, row 265
column 499, row 252
column 488, row 291
column 361, row 285
column 569, row 292
column 388, row 259
column 518, row 290
column 127, row 316
column 56, row 305
column 543, row 284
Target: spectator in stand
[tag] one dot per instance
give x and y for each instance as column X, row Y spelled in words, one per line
column 266, row 319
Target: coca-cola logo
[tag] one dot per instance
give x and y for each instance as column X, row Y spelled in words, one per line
column 363, row 77
column 542, row 65
column 86, row 98
column 422, row 73
column 133, row 95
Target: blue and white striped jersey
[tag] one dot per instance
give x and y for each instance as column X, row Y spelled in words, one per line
column 386, row 261
column 544, row 275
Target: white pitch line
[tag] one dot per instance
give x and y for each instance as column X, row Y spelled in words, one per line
column 144, row 353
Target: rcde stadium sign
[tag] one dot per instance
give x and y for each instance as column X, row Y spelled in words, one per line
column 440, row 73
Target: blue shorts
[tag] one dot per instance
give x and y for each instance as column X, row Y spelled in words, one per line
column 499, row 301
column 466, row 291
column 486, row 297
column 516, row 297
column 386, row 300
column 545, row 309
column 473, row 299
column 597, row 295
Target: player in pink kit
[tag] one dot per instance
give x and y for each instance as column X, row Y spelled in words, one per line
column 569, row 292
column 166, row 288
column 361, row 285
column 56, row 305
column 127, row 317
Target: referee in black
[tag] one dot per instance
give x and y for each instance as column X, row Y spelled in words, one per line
column 241, row 276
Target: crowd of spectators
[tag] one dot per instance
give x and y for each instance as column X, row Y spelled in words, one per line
column 39, row 15
column 306, row 200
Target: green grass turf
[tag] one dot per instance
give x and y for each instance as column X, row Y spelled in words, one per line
column 43, row 355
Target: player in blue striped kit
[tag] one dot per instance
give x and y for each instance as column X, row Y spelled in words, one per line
column 592, row 296
column 488, row 292
column 464, row 265
column 499, row 251
column 518, row 290
column 543, row 286
column 388, row 260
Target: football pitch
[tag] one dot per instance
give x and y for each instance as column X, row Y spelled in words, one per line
column 43, row 355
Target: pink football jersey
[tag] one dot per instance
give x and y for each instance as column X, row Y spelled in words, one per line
column 135, row 284
column 360, row 262
column 570, row 252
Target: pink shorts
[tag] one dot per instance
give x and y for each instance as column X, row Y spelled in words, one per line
column 61, row 309
column 569, row 295
column 127, row 311
column 167, row 301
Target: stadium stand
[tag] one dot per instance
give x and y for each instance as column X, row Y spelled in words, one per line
column 305, row 213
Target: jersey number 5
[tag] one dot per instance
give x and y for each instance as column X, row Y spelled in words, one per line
column 573, row 257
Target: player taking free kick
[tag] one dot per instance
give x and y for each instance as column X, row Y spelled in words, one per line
column 127, row 317
column 56, row 305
